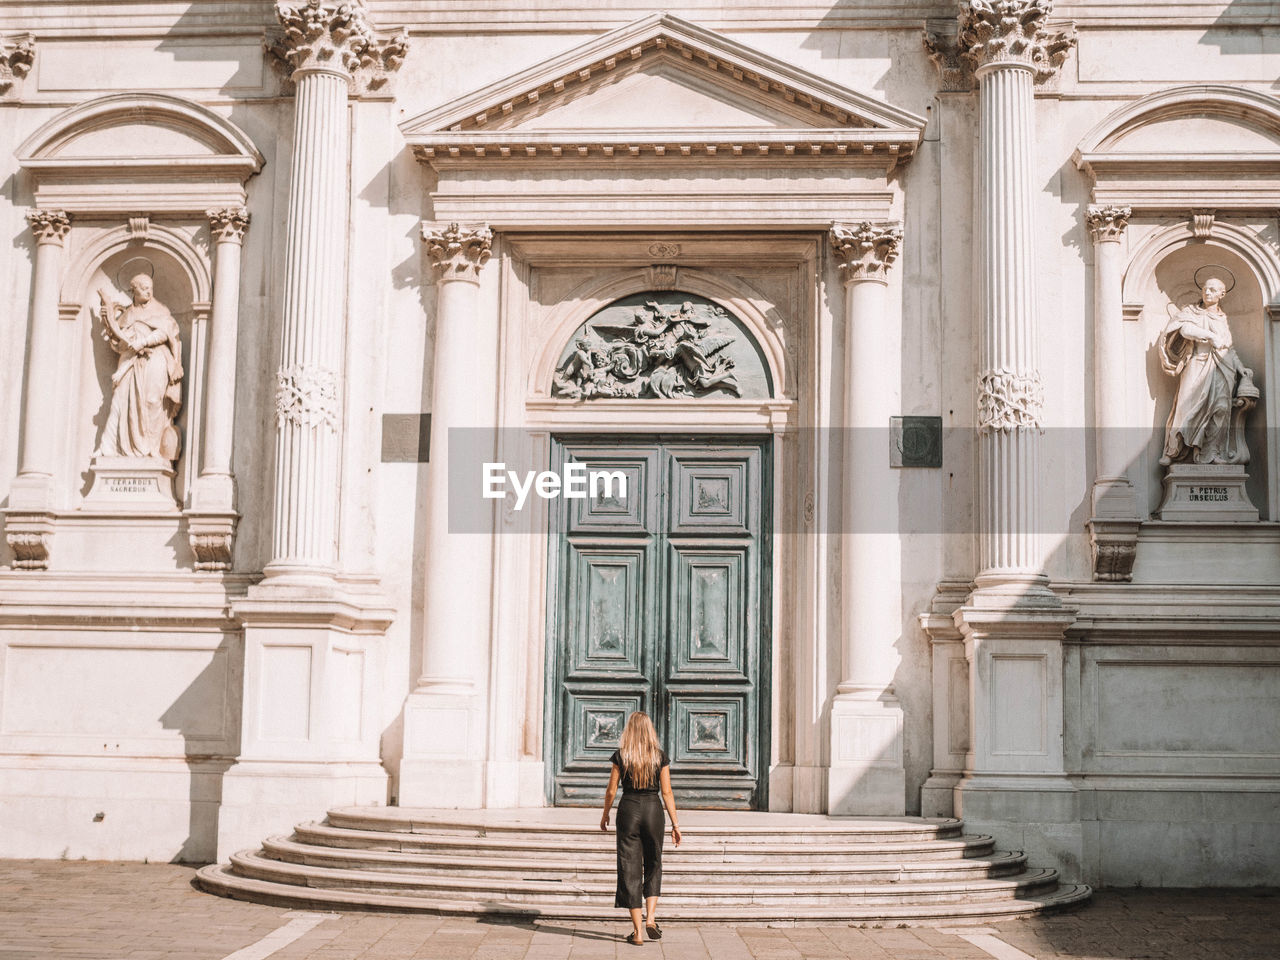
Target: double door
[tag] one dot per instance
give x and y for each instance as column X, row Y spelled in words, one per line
column 659, row 601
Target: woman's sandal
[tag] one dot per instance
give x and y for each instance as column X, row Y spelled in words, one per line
column 631, row 939
column 653, row 931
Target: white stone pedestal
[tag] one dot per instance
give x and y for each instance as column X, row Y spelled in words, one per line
column 867, row 777
column 131, row 483
column 1207, row 492
column 310, row 732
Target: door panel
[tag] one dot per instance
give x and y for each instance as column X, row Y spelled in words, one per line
column 655, row 604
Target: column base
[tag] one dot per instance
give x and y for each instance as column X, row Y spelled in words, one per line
column 269, row 798
column 442, row 764
column 867, row 777
column 937, row 794
column 1037, row 814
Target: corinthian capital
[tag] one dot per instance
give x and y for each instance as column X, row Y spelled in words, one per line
column 336, row 37
column 458, row 254
column 228, row 224
column 1107, row 223
column 49, row 226
column 866, row 250
column 17, row 54
column 1013, row 32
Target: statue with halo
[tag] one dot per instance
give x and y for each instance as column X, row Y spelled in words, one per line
column 133, row 467
column 1204, row 446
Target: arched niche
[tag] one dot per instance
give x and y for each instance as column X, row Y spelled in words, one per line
column 1166, row 284
column 756, row 322
column 182, row 282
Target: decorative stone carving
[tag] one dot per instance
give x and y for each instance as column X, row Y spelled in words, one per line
column 1009, row 401
column 17, row 56
column 28, row 536
column 955, row 72
column 661, row 276
column 1115, row 547
column 665, row 351
column 319, row 36
column 139, row 228
column 146, row 390
column 1013, row 32
column 228, row 223
column 1107, row 223
column 49, row 226
column 663, row 248
column 212, row 538
column 458, row 254
column 1202, row 223
column 307, row 396
column 866, row 250
column 1215, row 389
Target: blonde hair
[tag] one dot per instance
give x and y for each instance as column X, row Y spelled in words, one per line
column 639, row 750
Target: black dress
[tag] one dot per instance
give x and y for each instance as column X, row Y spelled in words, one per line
column 641, row 826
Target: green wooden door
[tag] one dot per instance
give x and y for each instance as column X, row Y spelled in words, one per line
column 659, row 601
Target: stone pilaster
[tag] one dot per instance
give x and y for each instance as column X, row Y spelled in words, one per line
column 443, row 759
column 1013, row 625
column 211, row 520
column 1113, row 526
column 866, row 775
column 29, row 517
column 312, row 635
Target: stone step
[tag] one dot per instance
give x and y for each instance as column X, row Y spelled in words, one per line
column 563, row 823
column 535, row 842
column 260, row 867
column 223, row 880
column 677, row 865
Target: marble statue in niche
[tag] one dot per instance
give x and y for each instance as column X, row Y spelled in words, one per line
column 146, row 387
column 1215, row 389
column 661, row 352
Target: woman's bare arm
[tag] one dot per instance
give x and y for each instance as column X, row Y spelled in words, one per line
column 669, row 800
column 609, row 791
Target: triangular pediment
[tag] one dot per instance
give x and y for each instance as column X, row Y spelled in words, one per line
column 664, row 86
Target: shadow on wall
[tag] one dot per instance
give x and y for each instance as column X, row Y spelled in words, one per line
column 206, row 714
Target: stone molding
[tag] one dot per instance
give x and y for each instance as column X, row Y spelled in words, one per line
column 17, row 56
column 212, row 538
column 458, row 253
column 1107, row 223
column 307, row 396
column 1009, row 401
column 1013, row 33
column 49, row 226
column 320, row 37
column 29, row 536
column 228, row 224
column 866, row 250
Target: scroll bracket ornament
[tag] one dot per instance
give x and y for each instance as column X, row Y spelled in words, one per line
column 17, row 56
column 1000, row 32
column 319, row 36
column 228, row 224
column 1009, row 401
column 866, row 250
column 458, row 254
column 307, row 396
column 1108, row 223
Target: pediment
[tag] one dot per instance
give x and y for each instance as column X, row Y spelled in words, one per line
column 663, row 86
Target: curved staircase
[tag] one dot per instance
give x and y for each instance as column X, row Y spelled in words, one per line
column 555, row 863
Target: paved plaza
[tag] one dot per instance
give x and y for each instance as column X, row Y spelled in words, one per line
column 132, row 911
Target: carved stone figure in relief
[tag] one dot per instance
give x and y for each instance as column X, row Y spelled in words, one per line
column 146, row 388
column 1215, row 390
column 662, row 352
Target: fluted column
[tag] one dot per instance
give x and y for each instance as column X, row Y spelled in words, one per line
column 29, row 516
column 444, row 754
column 1013, row 625
column 866, row 773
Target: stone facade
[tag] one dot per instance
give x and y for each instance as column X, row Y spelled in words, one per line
column 992, row 213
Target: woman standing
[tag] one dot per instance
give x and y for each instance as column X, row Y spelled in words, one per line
column 641, row 765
